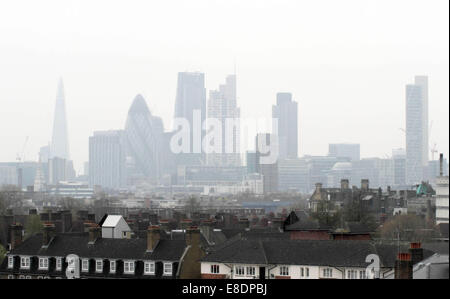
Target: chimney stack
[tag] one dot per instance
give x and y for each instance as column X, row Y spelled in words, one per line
column 416, row 252
column 95, row 232
column 48, row 233
column 193, row 236
column 403, row 266
column 441, row 164
column 16, row 235
column 345, row 184
column 365, row 184
column 153, row 237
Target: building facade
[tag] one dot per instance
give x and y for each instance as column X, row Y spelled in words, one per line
column 107, row 154
column 286, row 114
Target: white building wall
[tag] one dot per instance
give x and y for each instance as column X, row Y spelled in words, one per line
column 442, row 199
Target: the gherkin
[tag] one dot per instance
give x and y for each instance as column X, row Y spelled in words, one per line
column 144, row 136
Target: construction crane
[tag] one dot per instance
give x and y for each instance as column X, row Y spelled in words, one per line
column 21, row 155
column 433, row 151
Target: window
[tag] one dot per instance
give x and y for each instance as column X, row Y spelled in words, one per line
column 21, row 276
column 112, row 266
column 84, row 265
column 43, row 263
column 327, row 272
column 59, row 263
column 240, row 270
column 167, row 268
column 307, row 272
column 124, row 234
column 251, row 271
column 99, row 266
column 25, row 262
column 10, row 276
column 351, row 274
column 128, row 267
column 215, row 269
column 149, row 268
column 302, row 272
column 10, row 262
column 362, row 274
column 284, row 270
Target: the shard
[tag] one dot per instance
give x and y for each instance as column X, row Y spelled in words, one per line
column 60, row 138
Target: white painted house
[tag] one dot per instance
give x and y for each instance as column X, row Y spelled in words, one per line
column 297, row 259
column 115, row 227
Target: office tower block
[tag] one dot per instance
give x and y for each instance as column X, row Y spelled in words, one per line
column 190, row 105
column 286, row 112
column 144, row 134
column 107, row 159
column 222, row 108
column 416, row 130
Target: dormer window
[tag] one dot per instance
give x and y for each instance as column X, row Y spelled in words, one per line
column 85, row 265
column 99, row 266
column 43, row 263
column 59, row 263
column 10, row 262
column 167, row 268
column 149, row 268
column 128, row 267
column 25, row 262
column 112, row 266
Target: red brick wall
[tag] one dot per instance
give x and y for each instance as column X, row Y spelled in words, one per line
column 213, row 276
column 309, row 235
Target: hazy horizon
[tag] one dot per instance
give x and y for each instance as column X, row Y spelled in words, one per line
column 346, row 68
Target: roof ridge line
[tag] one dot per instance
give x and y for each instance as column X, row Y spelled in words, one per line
column 264, row 251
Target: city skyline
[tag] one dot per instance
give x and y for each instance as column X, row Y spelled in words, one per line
column 331, row 72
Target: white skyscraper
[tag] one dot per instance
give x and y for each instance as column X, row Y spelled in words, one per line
column 416, row 129
column 422, row 81
column 222, row 106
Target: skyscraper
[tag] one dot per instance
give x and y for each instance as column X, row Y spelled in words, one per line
column 222, row 107
column 107, row 159
column 60, row 139
column 422, row 81
column 191, row 101
column 144, row 134
column 286, row 111
column 416, row 130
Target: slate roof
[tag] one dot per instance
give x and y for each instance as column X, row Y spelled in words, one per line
column 305, row 252
column 306, row 225
column 78, row 243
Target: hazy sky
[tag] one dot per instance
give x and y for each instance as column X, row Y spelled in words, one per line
column 346, row 62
